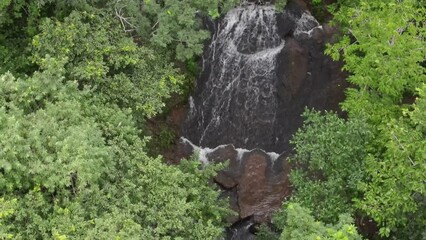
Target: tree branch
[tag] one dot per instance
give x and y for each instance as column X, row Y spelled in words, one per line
column 402, row 148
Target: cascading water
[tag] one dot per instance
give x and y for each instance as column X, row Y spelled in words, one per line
column 239, row 101
column 259, row 72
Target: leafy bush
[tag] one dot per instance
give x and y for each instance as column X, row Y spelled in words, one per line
column 385, row 56
column 296, row 223
column 77, row 177
column 101, row 57
column 331, row 153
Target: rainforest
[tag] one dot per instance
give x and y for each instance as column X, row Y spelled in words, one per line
column 213, row 119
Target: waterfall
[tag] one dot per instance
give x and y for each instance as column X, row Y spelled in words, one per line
column 260, row 70
column 239, row 98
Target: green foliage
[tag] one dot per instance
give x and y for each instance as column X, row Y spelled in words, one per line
column 384, row 57
column 265, row 233
column 13, row 40
column 385, row 61
column 172, row 24
column 331, row 152
column 192, row 67
column 19, row 22
column 162, row 140
column 101, row 57
column 280, row 4
column 398, row 170
column 383, row 171
column 6, row 209
column 321, row 10
column 75, row 176
column 73, row 153
column 296, row 223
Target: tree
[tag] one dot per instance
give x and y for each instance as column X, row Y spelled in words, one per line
column 384, row 57
column 79, row 172
column 385, row 60
column 383, row 49
column 175, row 25
column 296, row 223
column 395, row 194
column 331, row 153
column 6, row 209
column 73, row 148
column 19, row 21
column 103, row 58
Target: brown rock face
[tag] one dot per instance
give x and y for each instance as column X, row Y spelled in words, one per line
column 260, row 191
column 259, row 74
column 228, row 178
column 255, row 181
column 297, row 65
column 251, row 94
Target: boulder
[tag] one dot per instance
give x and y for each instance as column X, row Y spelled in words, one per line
column 256, row 182
column 261, row 190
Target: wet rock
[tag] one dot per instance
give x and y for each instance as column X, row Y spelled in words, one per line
column 295, row 70
column 232, row 195
column 235, row 98
column 259, row 73
column 241, row 230
column 183, row 150
column 227, row 178
column 255, row 181
column 261, row 190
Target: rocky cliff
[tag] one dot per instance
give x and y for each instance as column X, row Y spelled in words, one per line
column 260, row 71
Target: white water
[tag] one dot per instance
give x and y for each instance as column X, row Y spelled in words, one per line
column 203, row 153
column 238, row 101
column 305, row 25
column 241, row 95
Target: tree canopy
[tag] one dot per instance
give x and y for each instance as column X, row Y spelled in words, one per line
column 373, row 163
column 78, row 79
column 297, row 223
column 75, row 91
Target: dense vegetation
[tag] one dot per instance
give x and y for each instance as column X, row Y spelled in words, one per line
column 297, row 223
column 371, row 165
column 78, row 79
